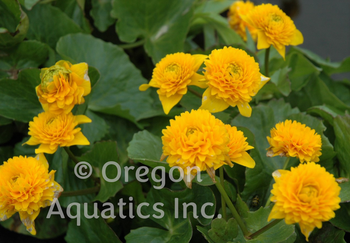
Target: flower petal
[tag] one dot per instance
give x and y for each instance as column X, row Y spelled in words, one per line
column 81, row 119
column 262, row 41
column 79, row 139
column 245, row 160
column 199, row 59
column 81, row 69
column 28, row 220
column 297, row 38
column 263, row 81
column 32, row 141
column 211, row 103
column 198, row 80
column 245, row 109
column 169, row 102
column 281, row 50
column 45, row 148
column 42, row 159
column 144, row 87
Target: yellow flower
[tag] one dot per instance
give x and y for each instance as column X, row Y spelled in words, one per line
column 237, row 9
column 233, row 78
column 293, row 139
column 274, row 27
column 51, row 131
column 238, row 147
column 172, row 75
column 199, row 139
column 307, row 195
column 63, row 86
column 26, row 186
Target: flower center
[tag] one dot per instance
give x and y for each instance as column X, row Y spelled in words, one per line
column 308, row 193
column 190, row 131
column 47, row 77
column 14, row 179
column 276, row 18
column 173, row 69
column 234, row 70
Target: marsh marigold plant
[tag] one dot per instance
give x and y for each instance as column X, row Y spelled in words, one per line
column 293, row 139
column 63, row 86
column 307, row 195
column 26, row 186
column 233, row 79
column 51, row 131
column 199, row 139
column 274, row 27
column 172, row 75
column 237, row 9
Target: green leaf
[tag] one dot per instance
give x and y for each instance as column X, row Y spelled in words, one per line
column 48, row 228
column 102, row 153
column 28, row 54
column 220, row 24
column 28, row 4
column 162, row 24
column 263, row 119
column 302, row 70
column 48, row 24
column 328, row 233
column 345, row 191
column 95, row 130
column 100, row 12
column 213, row 6
column 24, row 149
column 147, row 149
column 122, row 131
column 342, row 217
column 9, row 13
column 75, row 11
column 4, row 121
column 93, row 230
column 172, row 206
column 21, row 95
column 280, row 79
column 326, row 112
column 342, row 141
column 115, row 92
column 66, row 177
column 222, row 231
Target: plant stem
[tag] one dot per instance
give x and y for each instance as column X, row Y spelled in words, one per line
column 286, row 163
column 194, row 92
column 232, row 208
column 263, row 229
column 81, row 192
column 223, row 204
column 267, row 54
column 132, row 45
column 71, row 155
column 284, row 167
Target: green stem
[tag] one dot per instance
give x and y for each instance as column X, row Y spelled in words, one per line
column 194, row 92
column 263, row 229
column 71, row 155
column 132, row 45
column 284, row 167
column 223, row 204
column 267, row 54
column 81, row 192
column 286, row 163
column 232, row 208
